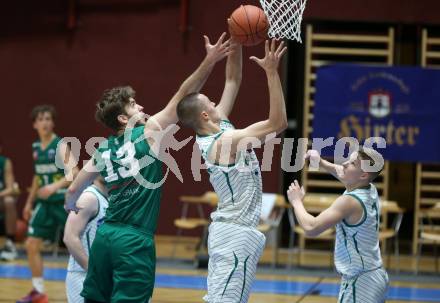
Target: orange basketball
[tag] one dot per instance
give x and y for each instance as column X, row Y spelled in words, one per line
column 248, row 25
column 20, row 230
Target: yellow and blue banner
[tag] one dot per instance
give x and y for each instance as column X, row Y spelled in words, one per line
column 399, row 104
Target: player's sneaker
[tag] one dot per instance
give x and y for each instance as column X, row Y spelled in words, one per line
column 9, row 252
column 34, row 297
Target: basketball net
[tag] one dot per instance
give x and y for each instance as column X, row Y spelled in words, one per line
column 284, row 17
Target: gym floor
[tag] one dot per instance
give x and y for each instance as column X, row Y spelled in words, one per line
column 178, row 281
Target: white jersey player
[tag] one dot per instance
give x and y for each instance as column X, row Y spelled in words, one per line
column 234, row 244
column 79, row 234
column 355, row 214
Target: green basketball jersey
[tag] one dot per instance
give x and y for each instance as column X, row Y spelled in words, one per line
column 45, row 168
column 2, row 172
column 133, row 176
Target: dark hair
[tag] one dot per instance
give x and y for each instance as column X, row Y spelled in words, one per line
column 365, row 154
column 41, row 109
column 112, row 104
column 189, row 109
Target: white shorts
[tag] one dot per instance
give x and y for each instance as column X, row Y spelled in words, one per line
column 368, row 287
column 74, row 286
column 234, row 252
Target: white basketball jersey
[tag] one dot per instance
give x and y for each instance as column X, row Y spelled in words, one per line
column 357, row 245
column 238, row 186
column 89, row 233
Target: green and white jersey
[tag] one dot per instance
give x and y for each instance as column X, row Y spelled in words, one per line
column 45, row 168
column 133, row 177
column 88, row 235
column 357, row 246
column 238, row 186
column 2, row 172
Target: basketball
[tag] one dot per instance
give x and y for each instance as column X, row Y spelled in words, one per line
column 20, row 231
column 248, row 25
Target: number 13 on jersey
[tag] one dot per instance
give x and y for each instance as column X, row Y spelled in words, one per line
column 126, row 163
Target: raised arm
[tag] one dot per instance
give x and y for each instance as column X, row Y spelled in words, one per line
column 84, row 178
column 334, row 169
column 76, row 224
column 277, row 120
column 192, row 84
column 234, row 65
column 341, row 208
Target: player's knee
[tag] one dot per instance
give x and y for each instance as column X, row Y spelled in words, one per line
column 32, row 245
column 9, row 204
column 9, row 201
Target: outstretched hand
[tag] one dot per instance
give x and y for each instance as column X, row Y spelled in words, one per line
column 295, row 193
column 272, row 56
column 219, row 50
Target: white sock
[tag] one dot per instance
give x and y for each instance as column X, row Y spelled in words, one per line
column 38, row 284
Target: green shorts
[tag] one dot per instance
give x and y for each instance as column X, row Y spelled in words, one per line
column 47, row 219
column 122, row 265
